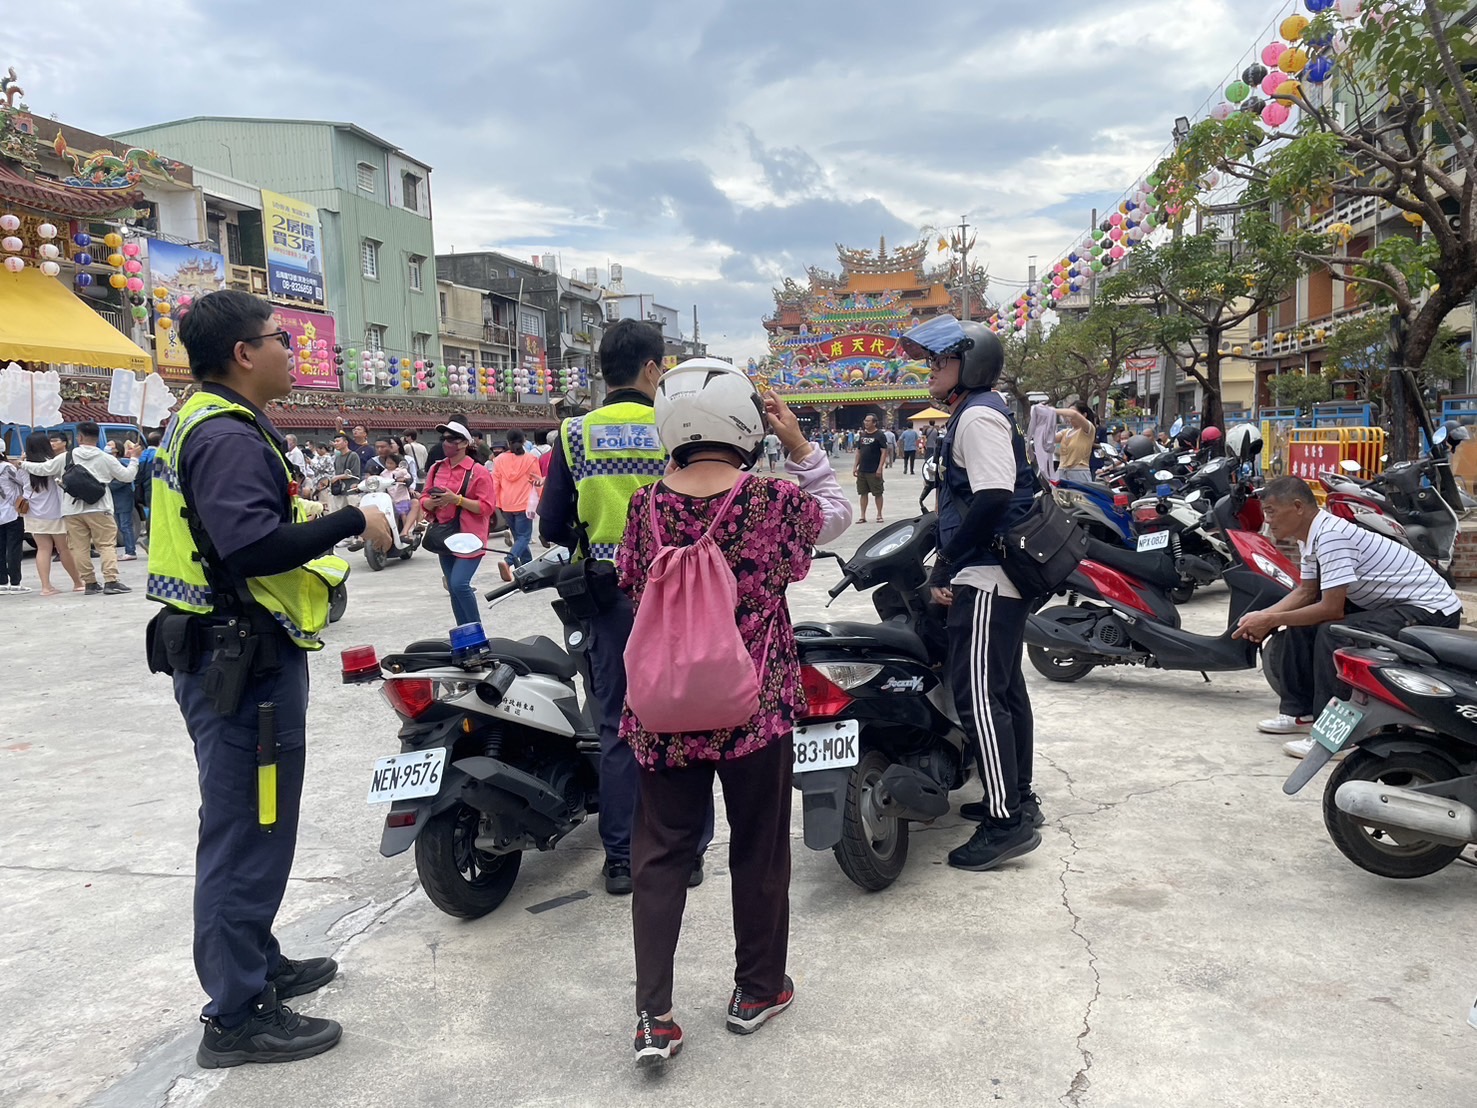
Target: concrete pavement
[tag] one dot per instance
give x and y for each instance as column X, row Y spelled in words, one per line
column 1185, row 935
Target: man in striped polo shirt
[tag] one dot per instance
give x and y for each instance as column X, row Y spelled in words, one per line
column 1350, row 576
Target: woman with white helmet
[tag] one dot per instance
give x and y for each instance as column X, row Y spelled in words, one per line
column 712, row 422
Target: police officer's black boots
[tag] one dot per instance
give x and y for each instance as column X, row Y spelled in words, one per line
column 272, row 1032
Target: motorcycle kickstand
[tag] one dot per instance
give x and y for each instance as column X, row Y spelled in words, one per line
column 1206, row 676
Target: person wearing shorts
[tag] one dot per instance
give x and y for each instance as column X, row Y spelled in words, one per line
column 870, row 447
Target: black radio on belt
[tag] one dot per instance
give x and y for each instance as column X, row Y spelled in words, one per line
column 588, row 588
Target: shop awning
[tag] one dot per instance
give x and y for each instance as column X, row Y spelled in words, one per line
column 928, row 414
column 42, row 321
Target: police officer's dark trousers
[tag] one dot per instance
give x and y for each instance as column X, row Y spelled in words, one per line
column 241, row 870
column 619, row 776
column 986, row 632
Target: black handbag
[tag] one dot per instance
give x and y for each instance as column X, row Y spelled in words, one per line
column 1043, row 549
column 437, row 533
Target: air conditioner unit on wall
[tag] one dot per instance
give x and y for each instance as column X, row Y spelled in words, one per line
column 247, row 278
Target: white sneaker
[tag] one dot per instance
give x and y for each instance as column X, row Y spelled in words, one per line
column 1301, row 748
column 1286, row 725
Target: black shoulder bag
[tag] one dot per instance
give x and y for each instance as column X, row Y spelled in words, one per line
column 438, row 533
column 1044, row 548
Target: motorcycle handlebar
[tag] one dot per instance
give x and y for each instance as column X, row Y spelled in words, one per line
column 840, row 586
column 500, row 592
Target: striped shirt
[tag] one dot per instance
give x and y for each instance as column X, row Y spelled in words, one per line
column 1377, row 572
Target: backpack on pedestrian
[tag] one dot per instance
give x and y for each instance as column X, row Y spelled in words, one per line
column 686, row 615
column 79, row 483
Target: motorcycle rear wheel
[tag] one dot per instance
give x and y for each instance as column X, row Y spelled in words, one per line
column 338, row 601
column 872, row 850
column 1057, row 665
column 458, row 878
column 1377, row 851
column 1273, row 647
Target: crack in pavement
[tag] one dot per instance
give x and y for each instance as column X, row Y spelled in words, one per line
column 119, row 871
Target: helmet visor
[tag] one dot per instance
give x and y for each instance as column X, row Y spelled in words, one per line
column 940, row 335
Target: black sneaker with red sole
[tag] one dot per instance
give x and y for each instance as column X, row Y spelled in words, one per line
column 657, row 1041
column 747, row 1014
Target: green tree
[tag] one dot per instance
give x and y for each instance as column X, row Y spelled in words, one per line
column 1395, row 123
column 1301, row 390
column 1201, row 286
column 1357, row 350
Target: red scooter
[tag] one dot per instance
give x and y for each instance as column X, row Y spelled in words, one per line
column 1118, row 609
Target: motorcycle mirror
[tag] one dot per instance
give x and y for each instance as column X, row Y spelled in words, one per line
column 1350, row 466
column 1438, row 436
column 1163, row 475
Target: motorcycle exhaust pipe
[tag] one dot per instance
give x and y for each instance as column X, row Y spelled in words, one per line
column 1396, row 809
column 904, row 793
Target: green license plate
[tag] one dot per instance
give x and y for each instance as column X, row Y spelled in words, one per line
column 1335, row 727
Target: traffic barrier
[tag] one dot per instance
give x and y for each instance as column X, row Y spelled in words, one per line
column 1311, row 450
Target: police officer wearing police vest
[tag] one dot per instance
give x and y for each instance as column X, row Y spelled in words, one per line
column 986, row 486
column 599, row 462
column 237, row 562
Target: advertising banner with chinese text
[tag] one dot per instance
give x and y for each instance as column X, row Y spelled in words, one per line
column 313, row 338
column 294, row 248
column 184, row 271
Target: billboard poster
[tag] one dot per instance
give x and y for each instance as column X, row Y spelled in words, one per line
column 184, row 271
column 294, row 248
column 534, row 359
column 312, row 345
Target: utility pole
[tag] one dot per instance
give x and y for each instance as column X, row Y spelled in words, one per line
column 963, row 242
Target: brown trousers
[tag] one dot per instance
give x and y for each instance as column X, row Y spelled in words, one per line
column 671, row 809
column 91, row 529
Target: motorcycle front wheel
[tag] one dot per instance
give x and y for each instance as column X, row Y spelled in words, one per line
column 873, row 848
column 458, row 878
column 1396, row 854
column 338, row 601
column 375, row 557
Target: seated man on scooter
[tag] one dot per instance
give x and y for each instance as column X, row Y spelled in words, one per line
column 1350, row 576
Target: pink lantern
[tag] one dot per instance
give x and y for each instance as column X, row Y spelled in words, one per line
column 1116, row 218
column 1273, row 81
column 15, row 265
column 1117, row 252
column 1222, row 111
column 135, row 284
column 1116, row 234
column 1275, row 114
column 1272, row 54
column 130, row 250
column 419, row 366
column 186, row 301
column 133, row 266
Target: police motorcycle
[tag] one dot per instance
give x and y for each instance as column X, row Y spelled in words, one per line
column 376, row 498
column 1180, row 521
column 496, row 755
column 1119, row 609
column 880, row 745
column 1403, row 802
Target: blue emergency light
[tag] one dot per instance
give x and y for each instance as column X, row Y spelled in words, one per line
column 468, row 645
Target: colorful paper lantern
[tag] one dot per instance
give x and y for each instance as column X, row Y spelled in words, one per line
column 164, row 323
column 130, row 250
column 84, row 280
column 133, row 267
column 10, row 244
column 83, row 259
column 1237, row 91
column 1293, row 61
column 82, row 239
column 10, row 222
column 14, row 264
column 1272, row 53
column 134, row 284
column 1288, row 90
column 1272, row 81
column 1318, row 70
column 1350, row 9
column 1292, row 27
column 112, row 240
column 51, row 269
column 46, row 231
column 116, row 260
column 1316, row 6
column 1275, row 114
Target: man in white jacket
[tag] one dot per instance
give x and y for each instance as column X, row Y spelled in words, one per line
column 92, row 524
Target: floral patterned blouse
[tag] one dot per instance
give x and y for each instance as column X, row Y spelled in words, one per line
column 766, row 537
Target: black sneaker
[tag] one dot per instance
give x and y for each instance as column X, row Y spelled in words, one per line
column 993, row 843
column 695, row 878
column 115, row 587
column 656, row 1040
column 272, row 1033
column 93, row 589
column 617, row 878
column 746, row 1014
column 978, row 811
column 296, row 978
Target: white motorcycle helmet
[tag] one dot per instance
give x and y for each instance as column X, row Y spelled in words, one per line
column 1244, row 441
column 708, row 402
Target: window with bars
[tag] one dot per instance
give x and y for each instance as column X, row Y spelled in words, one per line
column 233, row 244
column 366, row 177
column 418, row 347
column 415, row 272
column 374, row 338
column 531, row 323
column 369, row 252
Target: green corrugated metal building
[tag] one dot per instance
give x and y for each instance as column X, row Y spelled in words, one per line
column 373, row 200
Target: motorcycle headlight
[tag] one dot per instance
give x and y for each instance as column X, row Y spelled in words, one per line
column 892, row 543
column 847, row 676
column 1415, row 682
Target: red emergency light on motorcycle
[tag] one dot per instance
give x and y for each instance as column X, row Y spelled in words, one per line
column 359, row 664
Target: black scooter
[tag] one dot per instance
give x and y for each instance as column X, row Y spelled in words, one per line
column 881, row 744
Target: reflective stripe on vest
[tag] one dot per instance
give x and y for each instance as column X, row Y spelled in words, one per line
column 296, row 599
column 608, row 462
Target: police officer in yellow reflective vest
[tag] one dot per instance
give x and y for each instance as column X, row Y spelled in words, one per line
column 599, row 462
column 237, row 563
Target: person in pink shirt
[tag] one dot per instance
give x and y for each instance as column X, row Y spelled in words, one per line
column 516, row 479
column 459, row 489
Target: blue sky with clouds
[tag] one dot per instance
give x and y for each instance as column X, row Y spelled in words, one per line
column 712, row 147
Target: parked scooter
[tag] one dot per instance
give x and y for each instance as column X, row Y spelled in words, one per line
column 880, row 745
column 1403, row 802
column 1119, row 611
column 496, row 755
column 376, row 498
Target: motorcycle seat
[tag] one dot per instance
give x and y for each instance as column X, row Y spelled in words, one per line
column 887, row 636
column 1453, row 647
column 538, row 655
column 1154, row 567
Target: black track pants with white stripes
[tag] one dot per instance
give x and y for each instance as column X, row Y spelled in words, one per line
column 986, row 631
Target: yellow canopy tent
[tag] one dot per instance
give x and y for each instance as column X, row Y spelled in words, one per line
column 929, row 415
column 42, row 321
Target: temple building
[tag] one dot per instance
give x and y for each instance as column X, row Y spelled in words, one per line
column 835, row 350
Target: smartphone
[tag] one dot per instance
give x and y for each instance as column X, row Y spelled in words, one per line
column 436, row 490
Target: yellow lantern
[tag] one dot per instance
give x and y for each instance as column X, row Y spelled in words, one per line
column 164, row 323
column 1293, row 61
column 1320, row 334
column 118, row 281
column 1293, row 27
column 1288, row 90
column 1237, row 350
column 112, row 240
column 161, row 293
column 115, row 260
column 164, row 307
column 1279, row 337
column 1415, row 219
column 1341, row 231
